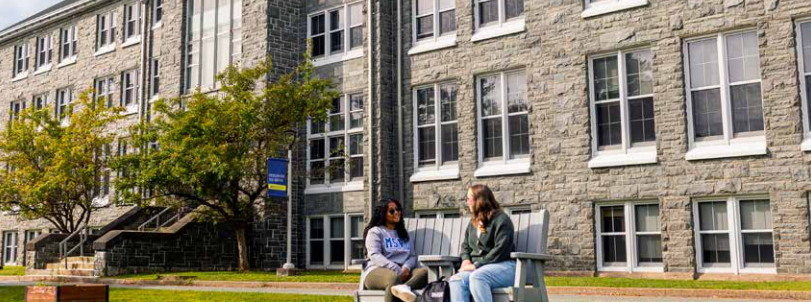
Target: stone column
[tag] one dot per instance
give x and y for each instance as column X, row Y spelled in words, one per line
column 678, row 242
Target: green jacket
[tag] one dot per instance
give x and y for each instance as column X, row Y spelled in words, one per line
column 494, row 245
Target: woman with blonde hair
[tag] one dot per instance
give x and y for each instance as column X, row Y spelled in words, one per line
column 485, row 250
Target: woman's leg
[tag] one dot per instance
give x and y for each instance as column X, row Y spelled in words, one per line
column 491, row 276
column 382, row 279
column 419, row 279
column 460, row 287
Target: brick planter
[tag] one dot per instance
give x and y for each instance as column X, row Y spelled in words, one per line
column 68, row 293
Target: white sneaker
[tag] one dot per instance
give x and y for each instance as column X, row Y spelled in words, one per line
column 403, row 292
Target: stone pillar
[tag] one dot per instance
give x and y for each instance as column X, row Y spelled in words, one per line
column 791, row 238
column 678, row 242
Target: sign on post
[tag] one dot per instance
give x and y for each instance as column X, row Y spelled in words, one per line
column 277, row 177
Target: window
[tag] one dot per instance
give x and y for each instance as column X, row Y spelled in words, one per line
column 215, row 40
column 157, row 12
column 21, row 60
column 358, row 245
column 68, row 43
column 621, row 87
column 44, row 51
column 599, row 7
column 17, row 108
column 316, row 241
column 327, row 31
column 334, row 240
column 438, row 215
column 132, row 21
column 31, row 235
column 503, row 123
column 106, row 31
column 155, row 82
column 497, row 18
column 633, row 244
column 41, row 101
column 436, row 133
column 327, row 152
column 105, row 87
column 724, row 96
column 804, row 60
column 10, row 248
column 129, row 90
column 64, row 98
column 434, row 18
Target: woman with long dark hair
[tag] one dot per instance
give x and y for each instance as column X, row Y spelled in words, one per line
column 393, row 262
column 486, row 262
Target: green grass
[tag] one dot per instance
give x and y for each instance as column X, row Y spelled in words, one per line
column 12, row 271
column 17, row 294
column 257, row 276
column 689, row 284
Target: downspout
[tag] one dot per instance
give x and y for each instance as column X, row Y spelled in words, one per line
column 400, row 173
column 370, row 57
column 146, row 37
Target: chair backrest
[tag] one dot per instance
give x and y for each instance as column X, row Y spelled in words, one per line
column 433, row 236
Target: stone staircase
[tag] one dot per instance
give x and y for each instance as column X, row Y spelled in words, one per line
column 79, row 266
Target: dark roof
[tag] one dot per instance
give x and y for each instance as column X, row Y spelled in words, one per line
column 41, row 13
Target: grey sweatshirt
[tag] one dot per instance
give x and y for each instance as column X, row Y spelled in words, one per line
column 387, row 250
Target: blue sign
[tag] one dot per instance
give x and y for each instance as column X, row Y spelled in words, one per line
column 277, row 177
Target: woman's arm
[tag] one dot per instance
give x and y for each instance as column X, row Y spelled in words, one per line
column 411, row 261
column 374, row 246
column 504, row 231
column 466, row 248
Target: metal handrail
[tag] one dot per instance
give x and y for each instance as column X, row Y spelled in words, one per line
column 156, row 218
column 82, row 231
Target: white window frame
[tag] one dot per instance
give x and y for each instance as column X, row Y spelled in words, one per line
column 10, row 244
column 157, row 10
column 327, row 239
column 21, row 60
column 806, row 144
column 503, row 27
column 105, row 87
column 234, row 34
column 609, row 6
column 41, row 101
column 44, row 53
column 628, row 154
column 438, row 40
column 436, row 214
column 348, row 184
column 154, row 82
column 107, row 31
column 68, row 40
column 751, row 144
column 17, row 108
column 132, row 14
column 631, row 254
column 349, row 238
column 441, row 170
column 68, row 93
column 505, row 165
column 737, row 265
column 346, row 53
column 130, row 81
column 28, row 234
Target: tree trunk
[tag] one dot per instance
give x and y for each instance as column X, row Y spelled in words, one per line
column 244, row 264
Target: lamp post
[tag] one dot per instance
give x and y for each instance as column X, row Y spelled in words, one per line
column 289, row 264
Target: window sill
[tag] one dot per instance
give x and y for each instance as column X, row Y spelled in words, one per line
column 730, row 270
column 130, row 109
column 435, row 174
column 322, row 189
column 131, row 41
column 638, row 269
column 43, row 69
column 726, row 151
column 806, row 145
column 612, row 6
column 154, row 98
column 510, row 168
column 104, row 50
column 352, row 54
column 20, row 77
column 494, row 31
column 624, row 159
column 443, row 42
column 67, row 61
column 157, row 26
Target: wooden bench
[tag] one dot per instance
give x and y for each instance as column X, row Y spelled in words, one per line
column 438, row 242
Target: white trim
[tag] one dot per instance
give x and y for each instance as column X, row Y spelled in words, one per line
column 727, row 151
column 606, row 7
column 67, row 61
column 437, row 39
column 517, row 166
column 43, row 69
column 488, row 32
column 131, row 41
column 505, row 165
column 351, row 186
column 443, row 173
column 353, row 54
column 346, row 53
column 440, row 169
column 21, row 76
column 157, row 26
column 327, row 240
column 806, row 144
column 104, row 50
column 630, row 233
column 643, row 156
column 806, row 112
column 437, row 44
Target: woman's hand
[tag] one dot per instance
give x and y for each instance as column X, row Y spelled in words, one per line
column 467, row 266
column 405, row 275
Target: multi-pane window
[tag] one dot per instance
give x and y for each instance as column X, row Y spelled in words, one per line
column 724, row 87
column 41, row 101
column 155, row 81
column 20, row 59
column 129, row 88
column 331, row 160
column 17, row 108
column 32, row 234
column 44, row 51
column 437, row 135
column 316, row 241
column 334, row 240
column 64, row 98
column 10, row 248
column 503, row 116
column 157, row 11
column 106, row 30
column 804, row 60
column 104, row 89
column 215, row 40
column 622, row 100
column 336, row 31
column 497, row 12
column 625, row 244
column 68, row 43
column 358, row 246
column 735, row 234
column 434, row 18
column 132, row 21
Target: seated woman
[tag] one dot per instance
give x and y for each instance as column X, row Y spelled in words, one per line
column 393, row 264
column 486, row 249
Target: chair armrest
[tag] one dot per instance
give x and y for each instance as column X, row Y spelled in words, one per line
column 530, row 256
column 439, row 258
column 359, row 261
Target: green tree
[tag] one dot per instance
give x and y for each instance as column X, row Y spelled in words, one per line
column 211, row 149
column 55, row 164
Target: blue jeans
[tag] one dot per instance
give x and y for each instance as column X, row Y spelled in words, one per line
column 482, row 281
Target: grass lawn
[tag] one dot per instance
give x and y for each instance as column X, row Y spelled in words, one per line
column 12, row 271
column 17, row 294
column 258, row 276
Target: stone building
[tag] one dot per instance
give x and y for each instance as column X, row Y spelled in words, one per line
column 665, row 137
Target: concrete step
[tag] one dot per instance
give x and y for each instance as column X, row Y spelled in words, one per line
column 70, row 265
column 61, row 272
